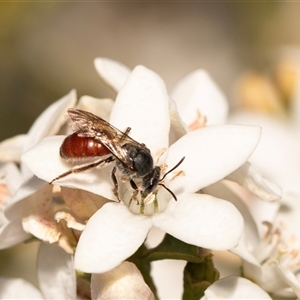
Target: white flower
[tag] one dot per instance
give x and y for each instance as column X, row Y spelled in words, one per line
column 11, row 231
column 35, row 214
column 114, row 233
column 270, row 253
column 49, row 122
column 273, row 255
column 198, row 103
column 233, row 287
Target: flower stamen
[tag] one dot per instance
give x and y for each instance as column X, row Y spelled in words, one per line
column 200, row 121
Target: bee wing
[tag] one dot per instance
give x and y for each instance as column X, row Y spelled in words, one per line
column 85, row 122
column 113, row 139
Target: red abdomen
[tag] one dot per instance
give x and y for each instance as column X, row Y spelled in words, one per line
column 74, row 147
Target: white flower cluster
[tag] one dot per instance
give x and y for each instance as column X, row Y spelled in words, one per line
column 219, row 194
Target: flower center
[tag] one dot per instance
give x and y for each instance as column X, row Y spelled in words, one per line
column 274, row 248
column 141, row 202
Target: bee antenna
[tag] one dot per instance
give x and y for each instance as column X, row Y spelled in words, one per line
column 173, row 195
column 179, row 163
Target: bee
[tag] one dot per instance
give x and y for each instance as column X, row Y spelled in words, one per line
column 95, row 138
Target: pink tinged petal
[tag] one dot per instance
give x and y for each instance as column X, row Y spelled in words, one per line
column 123, row 282
column 82, row 203
column 197, row 93
column 18, row 288
column 56, row 273
column 45, row 162
column 143, row 105
column 202, row 220
column 251, row 178
column 12, row 148
column 11, row 178
column 113, row 73
column 211, row 153
column 50, row 121
column 31, row 204
column 233, row 287
column 99, row 107
column 12, row 233
column 111, row 235
column 38, row 216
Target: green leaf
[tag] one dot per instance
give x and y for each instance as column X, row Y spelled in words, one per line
column 199, row 272
column 198, row 277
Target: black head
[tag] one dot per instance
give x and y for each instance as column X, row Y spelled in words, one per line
column 151, row 180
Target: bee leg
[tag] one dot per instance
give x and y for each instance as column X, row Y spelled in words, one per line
column 115, row 182
column 85, row 167
column 135, row 191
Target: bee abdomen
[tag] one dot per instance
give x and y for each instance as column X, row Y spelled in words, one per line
column 75, row 147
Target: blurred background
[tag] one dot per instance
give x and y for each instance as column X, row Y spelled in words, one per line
column 47, row 49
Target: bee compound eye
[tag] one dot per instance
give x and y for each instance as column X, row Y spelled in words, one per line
column 151, row 180
column 143, row 163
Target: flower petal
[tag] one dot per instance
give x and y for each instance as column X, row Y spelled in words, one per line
column 211, row 153
column 233, row 287
column 279, row 140
column 82, row 203
column 167, row 275
column 251, row 178
column 111, row 235
column 143, row 105
column 113, row 73
column 16, row 206
column 45, row 162
column 56, row 273
column 51, row 119
column 12, row 233
column 12, row 148
column 197, row 93
column 178, row 127
column 291, row 280
column 202, row 220
column 18, row 288
column 11, row 178
column 223, row 191
column 99, row 107
column 38, row 216
column 269, row 277
column 123, row 282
